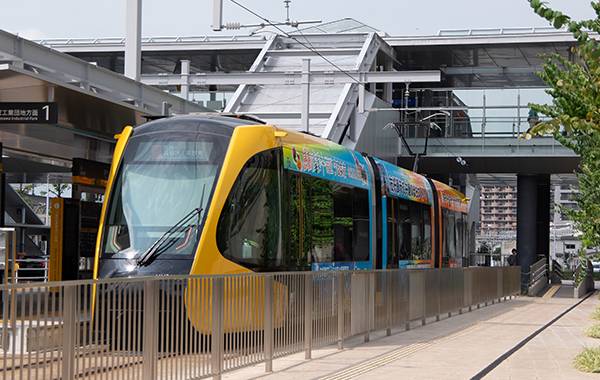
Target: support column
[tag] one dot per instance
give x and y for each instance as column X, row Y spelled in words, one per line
column 185, row 81
column 133, row 39
column 527, row 188
column 305, row 114
column 543, row 218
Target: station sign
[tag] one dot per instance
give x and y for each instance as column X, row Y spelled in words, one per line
column 28, row 113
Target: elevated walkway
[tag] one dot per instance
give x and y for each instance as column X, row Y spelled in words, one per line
column 522, row 338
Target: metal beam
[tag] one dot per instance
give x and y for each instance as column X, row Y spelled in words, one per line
column 295, row 78
column 52, row 66
column 490, row 70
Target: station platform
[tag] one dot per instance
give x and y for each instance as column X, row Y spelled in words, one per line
column 520, row 338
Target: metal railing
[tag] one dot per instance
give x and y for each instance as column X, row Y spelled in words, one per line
column 8, row 255
column 32, row 269
column 557, row 273
column 189, row 327
column 538, row 276
column 488, row 259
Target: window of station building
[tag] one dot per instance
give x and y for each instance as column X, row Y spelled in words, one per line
column 329, row 222
column 409, row 231
column 248, row 231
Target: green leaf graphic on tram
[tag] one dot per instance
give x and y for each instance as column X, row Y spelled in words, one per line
column 160, row 245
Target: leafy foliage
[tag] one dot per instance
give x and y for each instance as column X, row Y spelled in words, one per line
column 57, row 189
column 25, row 191
column 588, row 360
column 575, row 113
column 593, row 331
column 595, row 314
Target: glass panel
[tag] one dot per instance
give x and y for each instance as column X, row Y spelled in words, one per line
column 404, row 230
column 181, row 172
column 459, row 235
column 415, row 229
column 450, row 235
column 426, row 232
column 399, row 232
column 342, row 226
column 393, row 243
column 361, row 225
column 248, row 230
column 322, row 221
column 300, row 226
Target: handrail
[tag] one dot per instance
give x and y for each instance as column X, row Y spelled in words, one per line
column 538, row 276
column 538, row 271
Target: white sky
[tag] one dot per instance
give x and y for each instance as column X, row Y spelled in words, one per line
column 35, row 19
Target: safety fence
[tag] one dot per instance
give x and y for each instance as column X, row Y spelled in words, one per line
column 189, row 327
column 538, row 277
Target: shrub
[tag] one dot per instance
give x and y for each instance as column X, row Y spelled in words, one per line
column 588, row 360
column 593, row 331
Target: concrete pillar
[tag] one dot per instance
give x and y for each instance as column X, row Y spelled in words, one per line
column 527, row 189
column 543, row 217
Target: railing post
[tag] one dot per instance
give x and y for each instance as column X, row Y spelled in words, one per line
column 150, row 330
column 269, row 298
column 424, row 288
column 483, row 127
column 217, row 326
column 68, row 337
column 388, row 300
column 408, row 295
column 340, row 309
column 368, row 306
column 308, row 306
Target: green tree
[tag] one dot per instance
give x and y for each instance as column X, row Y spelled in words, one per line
column 25, row 191
column 484, row 247
column 57, row 189
column 575, row 113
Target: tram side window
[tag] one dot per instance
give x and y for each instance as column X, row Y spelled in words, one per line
column 426, row 255
column 329, row 222
column 343, row 225
column 360, row 215
column 415, row 229
column 398, row 231
column 322, row 220
column 449, row 236
column 459, row 236
column 248, row 232
column 300, row 223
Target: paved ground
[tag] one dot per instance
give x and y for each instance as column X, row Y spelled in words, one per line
column 460, row 347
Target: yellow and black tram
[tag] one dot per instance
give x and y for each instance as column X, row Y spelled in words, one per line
column 209, row 194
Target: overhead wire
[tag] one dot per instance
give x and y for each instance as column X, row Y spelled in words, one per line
column 316, row 52
column 309, row 46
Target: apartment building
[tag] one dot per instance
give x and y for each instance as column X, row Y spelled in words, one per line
column 498, row 210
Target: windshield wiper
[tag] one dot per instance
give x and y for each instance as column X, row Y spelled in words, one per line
column 159, row 246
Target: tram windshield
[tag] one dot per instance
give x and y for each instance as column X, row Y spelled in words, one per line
column 160, row 196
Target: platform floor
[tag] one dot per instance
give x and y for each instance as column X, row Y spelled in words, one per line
column 497, row 341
